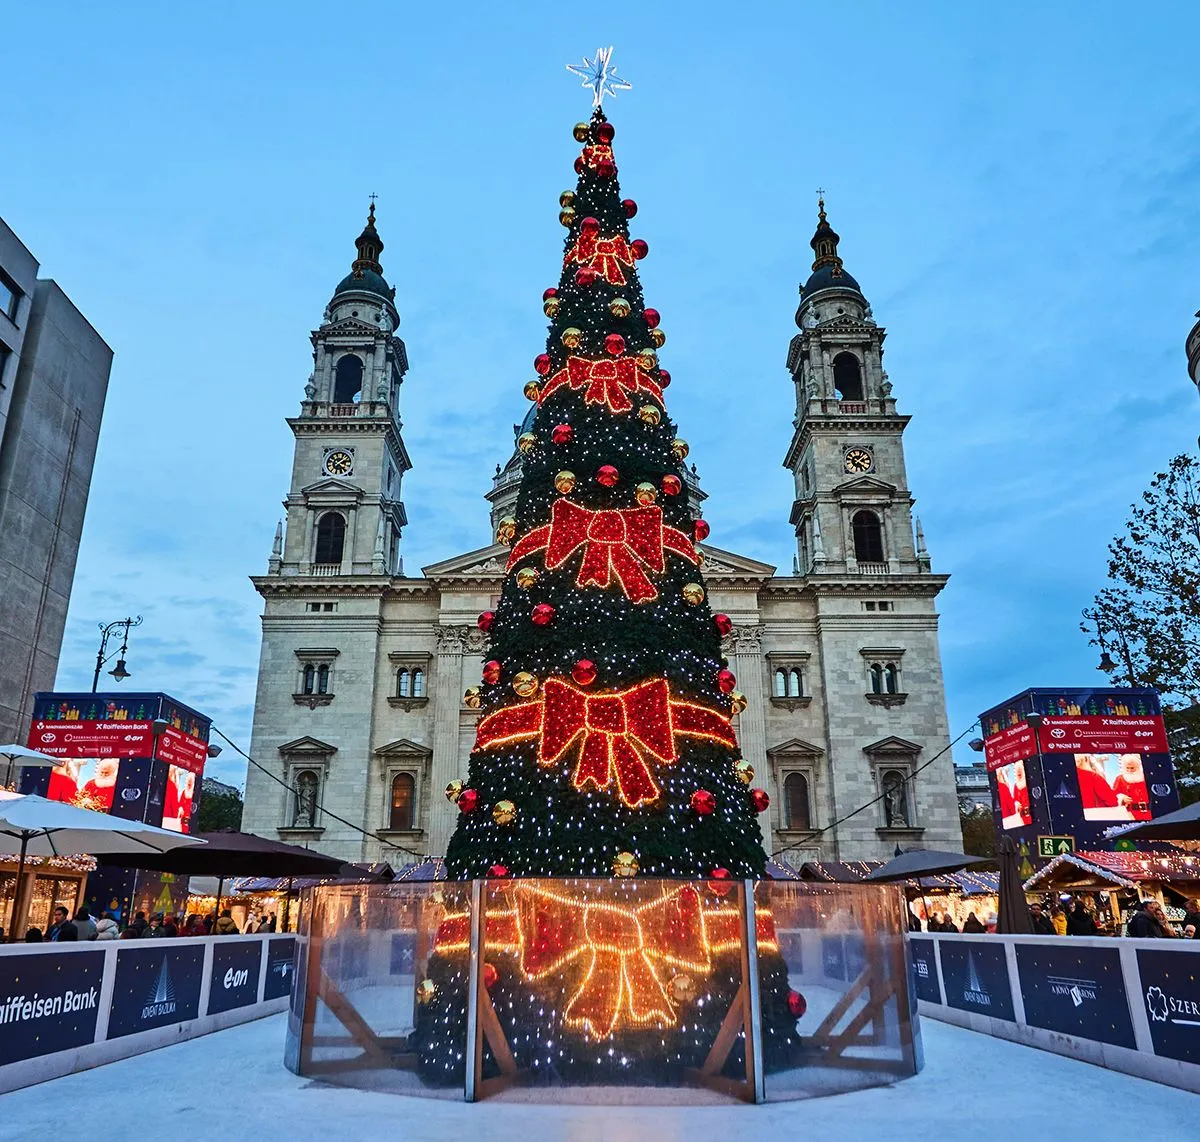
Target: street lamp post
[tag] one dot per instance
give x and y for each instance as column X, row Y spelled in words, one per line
column 1118, row 635
column 118, row 672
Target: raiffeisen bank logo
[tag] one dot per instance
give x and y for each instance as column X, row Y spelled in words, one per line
column 23, row 1009
column 161, row 999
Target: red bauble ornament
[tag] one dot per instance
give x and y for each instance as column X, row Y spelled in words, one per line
column 579, row 165
column 651, row 315
column 664, row 378
column 701, row 530
column 542, row 615
column 485, row 620
column 614, row 344
column 629, row 206
column 605, row 132
column 497, row 871
column 584, row 672
column 491, row 671
column 607, row 475
column 562, row 434
column 725, row 681
column 606, row 168
column 467, row 800
column 724, row 624
column 638, row 248
column 671, row 485
column 585, row 276
column 760, row 799
column 549, row 293
column 590, row 225
column 703, row 802
column 721, row 882
column 797, row 1004
column 490, row 975
column 542, row 364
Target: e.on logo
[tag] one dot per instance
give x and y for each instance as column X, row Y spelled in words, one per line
column 238, row 978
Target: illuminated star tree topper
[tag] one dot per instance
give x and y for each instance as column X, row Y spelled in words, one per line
column 600, row 76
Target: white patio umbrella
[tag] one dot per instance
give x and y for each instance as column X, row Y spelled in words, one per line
column 37, row 826
column 16, row 754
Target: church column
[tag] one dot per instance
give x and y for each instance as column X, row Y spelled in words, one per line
column 447, row 701
column 746, row 642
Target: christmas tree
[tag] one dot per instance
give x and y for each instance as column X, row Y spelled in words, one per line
column 605, row 746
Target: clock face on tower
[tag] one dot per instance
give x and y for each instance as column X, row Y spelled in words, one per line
column 859, row 460
column 339, row 462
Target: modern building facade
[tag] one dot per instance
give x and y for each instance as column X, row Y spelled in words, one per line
column 359, row 714
column 54, row 371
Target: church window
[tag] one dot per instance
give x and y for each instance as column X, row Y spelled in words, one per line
column 795, row 800
column 310, row 679
column 404, row 684
column 323, row 679
column 876, row 678
column 868, row 537
column 304, row 811
column 787, row 674
column 347, row 380
column 891, row 679
column 847, row 377
column 331, row 538
column 401, row 816
column 418, row 683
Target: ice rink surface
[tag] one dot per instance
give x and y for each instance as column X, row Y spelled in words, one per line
column 232, row 1084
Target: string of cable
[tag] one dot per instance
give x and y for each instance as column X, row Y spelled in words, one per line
column 811, row 833
column 318, row 807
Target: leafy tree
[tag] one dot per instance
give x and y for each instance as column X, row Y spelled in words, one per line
column 218, row 811
column 1147, row 621
column 978, row 830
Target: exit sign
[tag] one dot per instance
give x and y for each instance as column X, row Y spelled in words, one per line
column 1055, row 846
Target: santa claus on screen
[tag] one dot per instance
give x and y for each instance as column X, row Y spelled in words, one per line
column 1129, row 787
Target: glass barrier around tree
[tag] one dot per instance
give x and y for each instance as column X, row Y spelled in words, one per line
column 772, row 991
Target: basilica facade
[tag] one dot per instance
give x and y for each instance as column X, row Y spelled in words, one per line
column 359, row 719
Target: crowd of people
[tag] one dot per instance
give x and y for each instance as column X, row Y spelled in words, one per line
column 1073, row 917
column 160, row 925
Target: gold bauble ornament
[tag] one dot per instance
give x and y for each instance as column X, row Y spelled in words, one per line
column 647, row 359
column 525, row 684
column 625, row 864
column 567, row 198
column 504, row 812
column 693, row 593
column 565, row 482
column 532, row 390
column 473, row 699
column 426, row 992
column 454, row 789
column 682, row 988
column 526, row 577
column 657, row 338
column 744, row 771
column 646, row 494
column 619, row 307
column 566, row 217
column 550, row 306
column 679, row 448
column 526, row 442
column 650, row 414
column 580, row 131
column 506, row 530
column 571, row 337
column 737, row 701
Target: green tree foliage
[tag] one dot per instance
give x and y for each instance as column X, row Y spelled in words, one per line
column 1147, row 620
column 979, row 831
column 218, row 811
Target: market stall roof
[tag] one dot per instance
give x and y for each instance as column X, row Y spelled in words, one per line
column 777, row 870
column 228, row 853
column 1181, row 825
column 921, row 863
column 1075, row 870
column 839, row 871
column 1162, row 866
column 347, row 874
column 969, row 883
column 431, row 868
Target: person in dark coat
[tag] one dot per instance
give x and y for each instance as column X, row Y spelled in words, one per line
column 1191, row 920
column 1149, row 922
column 972, row 924
column 1079, row 921
column 1042, row 924
column 33, row 936
column 139, row 923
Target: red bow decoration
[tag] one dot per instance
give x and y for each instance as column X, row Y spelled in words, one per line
column 608, row 381
column 622, row 542
column 605, row 255
column 619, row 731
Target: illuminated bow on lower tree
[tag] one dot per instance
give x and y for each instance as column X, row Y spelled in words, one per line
column 619, row 732
column 607, row 381
column 604, row 255
column 625, row 543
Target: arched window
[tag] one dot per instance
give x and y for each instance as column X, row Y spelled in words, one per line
column 310, row 678
column 780, row 683
column 403, row 684
column 794, row 687
column 331, row 538
column 304, row 815
column 322, row 679
column 891, row 679
column 895, row 799
column 868, row 537
column 418, row 683
column 347, row 380
column 876, row 679
column 795, row 797
column 847, row 377
column 402, row 802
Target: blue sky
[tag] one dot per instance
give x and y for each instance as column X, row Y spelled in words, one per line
column 1017, row 191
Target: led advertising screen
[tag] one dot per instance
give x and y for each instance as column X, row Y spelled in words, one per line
column 1087, row 760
